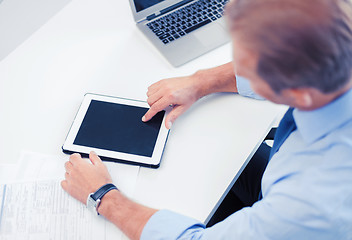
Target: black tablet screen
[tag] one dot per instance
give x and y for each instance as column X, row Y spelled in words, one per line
column 119, row 128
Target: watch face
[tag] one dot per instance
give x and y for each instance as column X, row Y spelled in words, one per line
column 91, row 203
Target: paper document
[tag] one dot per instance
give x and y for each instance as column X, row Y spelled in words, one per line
column 7, row 172
column 38, row 208
column 43, row 210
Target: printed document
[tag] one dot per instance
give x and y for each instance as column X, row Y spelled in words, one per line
column 38, row 208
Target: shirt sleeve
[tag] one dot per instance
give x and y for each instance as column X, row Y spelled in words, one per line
column 244, row 88
column 270, row 218
column 243, row 224
column 166, row 224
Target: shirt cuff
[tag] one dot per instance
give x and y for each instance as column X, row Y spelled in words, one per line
column 244, row 88
column 166, row 224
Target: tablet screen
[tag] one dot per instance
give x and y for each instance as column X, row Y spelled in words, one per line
column 117, row 127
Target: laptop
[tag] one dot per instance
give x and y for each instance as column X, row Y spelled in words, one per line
column 182, row 30
column 19, row 19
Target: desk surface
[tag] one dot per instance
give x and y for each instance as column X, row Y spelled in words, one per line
column 90, row 47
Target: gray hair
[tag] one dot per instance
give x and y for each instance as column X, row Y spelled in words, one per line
column 299, row 43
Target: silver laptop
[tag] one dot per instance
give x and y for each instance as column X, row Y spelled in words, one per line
column 182, row 29
column 19, row 19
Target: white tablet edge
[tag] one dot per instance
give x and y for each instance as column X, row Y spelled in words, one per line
column 159, row 145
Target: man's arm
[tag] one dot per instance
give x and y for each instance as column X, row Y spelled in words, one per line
column 217, row 79
column 83, row 177
column 259, row 221
column 182, row 92
column 128, row 216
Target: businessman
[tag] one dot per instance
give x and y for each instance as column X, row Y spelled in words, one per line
column 292, row 52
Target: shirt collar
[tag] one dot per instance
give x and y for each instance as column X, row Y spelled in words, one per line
column 317, row 123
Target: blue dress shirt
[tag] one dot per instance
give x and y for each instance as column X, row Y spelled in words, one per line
column 306, row 187
column 244, row 88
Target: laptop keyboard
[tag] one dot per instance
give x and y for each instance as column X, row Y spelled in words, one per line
column 187, row 19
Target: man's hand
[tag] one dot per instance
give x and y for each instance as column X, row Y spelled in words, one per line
column 83, row 177
column 181, row 93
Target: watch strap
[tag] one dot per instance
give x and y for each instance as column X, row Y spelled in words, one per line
column 99, row 194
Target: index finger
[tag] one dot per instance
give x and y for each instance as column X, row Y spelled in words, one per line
column 149, row 115
column 161, row 104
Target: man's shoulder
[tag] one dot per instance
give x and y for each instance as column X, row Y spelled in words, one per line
column 338, row 143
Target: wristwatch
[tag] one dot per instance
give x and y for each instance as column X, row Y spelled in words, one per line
column 94, row 199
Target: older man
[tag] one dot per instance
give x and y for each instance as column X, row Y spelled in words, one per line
column 292, row 52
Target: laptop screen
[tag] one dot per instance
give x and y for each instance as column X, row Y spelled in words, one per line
column 144, row 4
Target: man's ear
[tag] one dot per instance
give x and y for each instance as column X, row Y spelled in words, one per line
column 300, row 97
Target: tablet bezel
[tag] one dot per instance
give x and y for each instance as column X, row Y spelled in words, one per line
column 154, row 161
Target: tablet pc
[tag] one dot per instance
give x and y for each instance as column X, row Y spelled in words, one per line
column 112, row 127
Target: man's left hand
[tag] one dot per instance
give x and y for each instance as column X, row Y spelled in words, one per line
column 83, row 177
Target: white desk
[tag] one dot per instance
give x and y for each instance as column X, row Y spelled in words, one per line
column 95, row 47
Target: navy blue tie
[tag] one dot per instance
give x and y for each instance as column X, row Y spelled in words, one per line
column 286, row 127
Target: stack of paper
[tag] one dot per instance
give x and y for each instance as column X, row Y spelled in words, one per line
column 38, row 208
